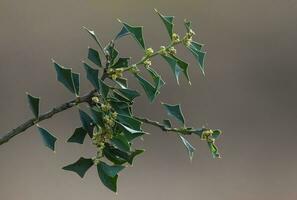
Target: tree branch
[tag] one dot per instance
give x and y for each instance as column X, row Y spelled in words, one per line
column 16, row 131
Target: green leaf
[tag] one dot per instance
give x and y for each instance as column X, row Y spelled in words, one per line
column 130, row 130
column 80, row 167
column 122, row 156
column 65, row 76
column 92, row 76
column 130, row 94
column 198, row 131
column 105, row 173
column 112, row 52
column 107, row 152
column 175, row 111
column 48, row 139
column 174, row 66
column 120, row 107
column 122, row 33
column 87, row 122
column 168, row 22
column 78, row 136
column 149, row 90
column 34, row 104
column 76, row 81
column 104, row 89
column 199, row 55
column 94, row 36
column 184, row 67
column 167, row 123
column 159, row 83
column 121, row 63
column 136, row 32
column 196, row 46
column 94, row 56
column 188, row 25
column 120, row 142
column 129, row 121
column 97, row 116
column 188, row 146
column 214, row 150
column 122, row 82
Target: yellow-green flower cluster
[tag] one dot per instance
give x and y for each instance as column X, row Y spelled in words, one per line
column 115, row 73
column 149, row 52
column 188, row 37
column 207, row 135
column 147, row 63
column 175, row 38
column 172, row 51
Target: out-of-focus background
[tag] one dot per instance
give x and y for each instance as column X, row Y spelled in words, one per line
column 250, row 92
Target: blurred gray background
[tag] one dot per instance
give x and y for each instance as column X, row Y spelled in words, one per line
column 250, row 92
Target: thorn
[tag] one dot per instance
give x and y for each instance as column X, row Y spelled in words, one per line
column 155, row 10
column 119, row 20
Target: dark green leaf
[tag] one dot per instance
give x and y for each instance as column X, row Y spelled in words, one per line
column 120, row 142
column 123, row 156
column 196, row 46
column 122, row 82
column 34, row 104
column 48, row 139
column 104, row 89
column 189, row 147
column 183, row 66
column 136, row 32
column 80, row 167
column 120, row 97
column 122, row 33
column 75, row 77
column 78, row 136
column 107, row 151
column 159, row 83
column 130, row 94
column 198, row 131
column 126, row 128
column 92, row 76
column 168, row 22
column 167, row 123
column 175, row 111
column 121, row 63
column 65, row 76
column 129, row 121
column 105, row 171
column 121, row 107
column 113, row 53
column 149, row 90
column 87, row 122
column 97, row 116
column 94, row 56
column 94, row 36
column 174, row 66
column 199, row 56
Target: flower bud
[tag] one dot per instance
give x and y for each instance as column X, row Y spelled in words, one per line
column 175, row 38
column 172, row 50
column 149, row 52
column 95, row 99
column 147, row 63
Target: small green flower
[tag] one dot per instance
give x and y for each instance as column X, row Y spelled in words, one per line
column 175, row 38
column 147, row 63
column 149, row 52
column 172, row 50
column 95, row 99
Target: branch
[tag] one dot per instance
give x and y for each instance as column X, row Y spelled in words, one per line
column 16, row 131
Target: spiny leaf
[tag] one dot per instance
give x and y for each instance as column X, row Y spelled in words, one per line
column 113, row 53
column 129, row 121
column 130, row 94
column 121, row 156
column 112, row 157
column 126, row 128
column 136, row 32
column 159, row 83
column 174, row 66
column 94, row 56
column 121, row 63
column 121, row 143
column 94, row 36
column 80, row 167
column 149, row 90
column 48, row 139
column 120, row 107
column 97, row 116
column 105, row 173
column 175, row 111
column 216, row 133
column 196, row 46
column 87, row 122
column 168, row 22
column 122, row 82
column 189, row 147
column 76, row 81
column 184, row 66
column 199, row 56
column 92, row 76
column 104, row 89
column 78, row 136
column 65, row 76
column 122, row 33
column 34, row 104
